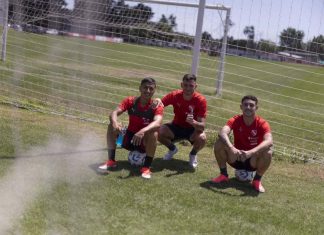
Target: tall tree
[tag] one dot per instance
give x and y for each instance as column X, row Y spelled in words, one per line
column 291, row 39
column 206, row 39
column 172, row 21
column 142, row 13
column 317, row 46
column 267, row 46
column 206, row 36
column 249, row 32
column 36, row 12
column 167, row 24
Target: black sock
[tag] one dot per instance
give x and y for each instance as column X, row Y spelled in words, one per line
column 223, row 171
column 171, row 147
column 111, row 154
column 257, row 177
column 148, row 161
column 193, row 151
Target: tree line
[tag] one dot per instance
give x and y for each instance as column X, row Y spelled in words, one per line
column 291, row 40
column 116, row 18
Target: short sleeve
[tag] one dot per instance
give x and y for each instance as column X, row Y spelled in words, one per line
column 159, row 111
column 202, row 112
column 266, row 127
column 127, row 103
column 167, row 99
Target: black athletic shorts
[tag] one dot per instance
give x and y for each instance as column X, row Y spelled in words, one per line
column 180, row 133
column 243, row 165
column 129, row 146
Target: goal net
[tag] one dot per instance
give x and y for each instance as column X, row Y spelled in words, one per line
column 80, row 58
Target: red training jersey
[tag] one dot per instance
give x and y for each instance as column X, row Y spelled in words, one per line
column 248, row 137
column 197, row 105
column 137, row 123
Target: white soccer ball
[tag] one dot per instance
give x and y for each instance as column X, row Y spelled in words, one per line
column 136, row 158
column 244, row 175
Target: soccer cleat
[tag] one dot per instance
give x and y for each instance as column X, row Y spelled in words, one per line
column 256, row 184
column 108, row 164
column 193, row 161
column 146, row 172
column 220, row 179
column 170, row 154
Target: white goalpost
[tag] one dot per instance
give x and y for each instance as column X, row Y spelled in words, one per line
column 4, row 23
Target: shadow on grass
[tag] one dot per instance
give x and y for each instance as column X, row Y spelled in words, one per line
column 122, row 165
column 244, row 187
column 177, row 167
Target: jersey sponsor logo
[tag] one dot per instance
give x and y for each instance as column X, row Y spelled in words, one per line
column 253, row 138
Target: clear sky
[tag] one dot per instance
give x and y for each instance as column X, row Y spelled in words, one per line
column 269, row 17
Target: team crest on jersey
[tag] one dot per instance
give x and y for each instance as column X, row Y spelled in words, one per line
column 254, row 132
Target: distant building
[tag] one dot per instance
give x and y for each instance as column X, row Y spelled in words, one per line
column 299, row 57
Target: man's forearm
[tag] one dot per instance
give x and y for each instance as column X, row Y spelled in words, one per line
column 264, row 145
column 225, row 140
column 199, row 126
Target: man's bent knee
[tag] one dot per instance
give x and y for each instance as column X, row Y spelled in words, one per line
column 165, row 134
column 266, row 154
column 151, row 136
column 219, row 145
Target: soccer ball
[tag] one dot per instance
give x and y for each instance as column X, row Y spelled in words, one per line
column 136, row 158
column 244, row 175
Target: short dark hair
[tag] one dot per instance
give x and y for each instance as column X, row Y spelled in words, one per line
column 250, row 97
column 189, row 77
column 148, row 80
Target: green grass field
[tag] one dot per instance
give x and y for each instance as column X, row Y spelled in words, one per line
column 48, row 157
column 51, row 187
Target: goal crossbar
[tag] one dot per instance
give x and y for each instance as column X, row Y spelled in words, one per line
column 215, row 6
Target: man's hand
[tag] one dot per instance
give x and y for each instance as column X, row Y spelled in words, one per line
column 190, row 119
column 117, row 127
column 137, row 138
column 238, row 154
column 246, row 154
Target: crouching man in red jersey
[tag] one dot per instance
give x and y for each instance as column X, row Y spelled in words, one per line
column 190, row 111
column 142, row 131
column 252, row 144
